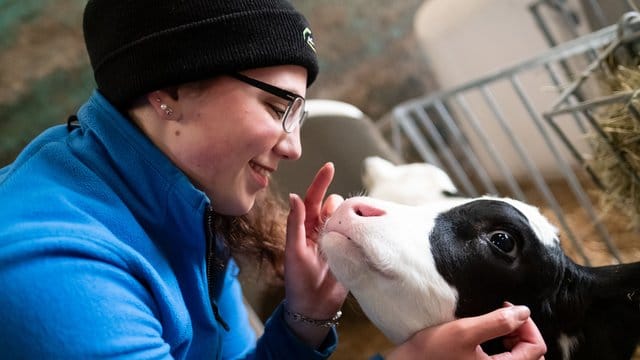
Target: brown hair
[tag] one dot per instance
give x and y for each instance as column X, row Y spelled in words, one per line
column 258, row 238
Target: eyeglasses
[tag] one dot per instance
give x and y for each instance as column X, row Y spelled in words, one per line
column 293, row 115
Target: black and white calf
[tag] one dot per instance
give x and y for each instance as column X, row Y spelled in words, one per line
column 411, row 267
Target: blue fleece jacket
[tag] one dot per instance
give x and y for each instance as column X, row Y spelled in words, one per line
column 103, row 255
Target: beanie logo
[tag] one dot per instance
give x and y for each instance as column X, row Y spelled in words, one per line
column 308, row 38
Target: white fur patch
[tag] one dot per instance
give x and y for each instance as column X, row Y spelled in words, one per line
column 567, row 344
column 544, row 230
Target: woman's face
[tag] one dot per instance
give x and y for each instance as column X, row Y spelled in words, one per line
column 228, row 136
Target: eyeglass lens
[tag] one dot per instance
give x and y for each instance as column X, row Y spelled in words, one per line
column 294, row 114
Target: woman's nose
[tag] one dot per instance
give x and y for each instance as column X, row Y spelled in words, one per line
column 289, row 145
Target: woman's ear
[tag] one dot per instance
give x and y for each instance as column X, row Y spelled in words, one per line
column 164, row 104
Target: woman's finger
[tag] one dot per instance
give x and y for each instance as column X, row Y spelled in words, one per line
column 295, row 224
column 330, row 205
column 501, row 322
column 529, row 344
column 318, row 187
column 315, row 195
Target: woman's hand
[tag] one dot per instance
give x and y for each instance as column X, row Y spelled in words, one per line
column 461, row 339
column 311, row 289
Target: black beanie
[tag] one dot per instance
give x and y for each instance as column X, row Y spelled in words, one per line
column 137, row 46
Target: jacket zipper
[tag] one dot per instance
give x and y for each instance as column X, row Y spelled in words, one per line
column 209, row 267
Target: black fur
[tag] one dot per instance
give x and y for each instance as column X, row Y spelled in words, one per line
column 598, row 306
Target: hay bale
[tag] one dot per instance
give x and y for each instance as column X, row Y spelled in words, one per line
column 616, row 158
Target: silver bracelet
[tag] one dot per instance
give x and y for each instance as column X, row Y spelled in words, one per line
column 297, row 317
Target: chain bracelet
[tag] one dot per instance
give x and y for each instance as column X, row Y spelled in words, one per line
column 297, row 317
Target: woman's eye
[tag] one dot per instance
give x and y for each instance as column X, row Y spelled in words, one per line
column 503, row 241
column 278, row 111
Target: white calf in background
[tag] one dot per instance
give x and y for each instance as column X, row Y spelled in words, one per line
column 410, row 184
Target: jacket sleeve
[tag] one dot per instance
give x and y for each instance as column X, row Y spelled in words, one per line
column 59, row 303
column 277, row 342
column 281, row 343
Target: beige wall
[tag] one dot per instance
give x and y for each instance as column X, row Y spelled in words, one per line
column 480, row 38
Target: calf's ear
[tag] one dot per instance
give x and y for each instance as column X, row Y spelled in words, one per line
column 616, row 281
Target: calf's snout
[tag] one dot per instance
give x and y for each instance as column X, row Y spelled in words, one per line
column 353, row 213
column 360, row 207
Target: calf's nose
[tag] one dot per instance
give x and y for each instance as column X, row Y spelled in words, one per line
column 352, row 213
column 361, row 208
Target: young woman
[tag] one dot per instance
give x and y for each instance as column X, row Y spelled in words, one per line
column 119, row 232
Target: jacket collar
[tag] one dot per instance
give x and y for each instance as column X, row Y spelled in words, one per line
column 154, row 189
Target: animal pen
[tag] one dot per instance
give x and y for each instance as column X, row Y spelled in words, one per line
column 539, row 131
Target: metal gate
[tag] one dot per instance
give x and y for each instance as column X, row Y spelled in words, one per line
column 525, row 131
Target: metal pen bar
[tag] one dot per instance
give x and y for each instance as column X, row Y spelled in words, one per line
column 493, row 153
column 537, row 17
column 572, row 149
column 572, row 180
column 602, row 101
column 449, row 158
column 555, row 79
column 424, row 150
column 491, row 150
column 522, row 153
column 571, row 100
column 396, row 133
column 584, row 75
column 589, row 104
column 567, row 49
column 622, row 38
column 599, row 14
column 463, row 143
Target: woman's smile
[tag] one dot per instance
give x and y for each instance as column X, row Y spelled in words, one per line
column 261, row 173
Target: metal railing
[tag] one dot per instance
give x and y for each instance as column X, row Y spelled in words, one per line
column 522, row 128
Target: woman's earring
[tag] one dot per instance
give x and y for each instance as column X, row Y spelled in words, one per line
column 167, row 109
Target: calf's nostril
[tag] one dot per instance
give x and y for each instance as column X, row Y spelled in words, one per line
column 365, row 210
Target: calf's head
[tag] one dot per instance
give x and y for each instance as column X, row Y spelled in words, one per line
column 411, row 267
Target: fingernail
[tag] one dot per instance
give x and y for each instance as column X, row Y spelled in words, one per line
column 291, row 195
column 520, row 312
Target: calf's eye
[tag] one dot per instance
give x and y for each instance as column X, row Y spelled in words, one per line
column 503, row 241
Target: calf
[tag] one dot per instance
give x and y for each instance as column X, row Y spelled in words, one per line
column 412, row 267
column 411, row 184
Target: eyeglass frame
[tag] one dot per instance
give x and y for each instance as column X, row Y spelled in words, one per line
column 279, row 92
